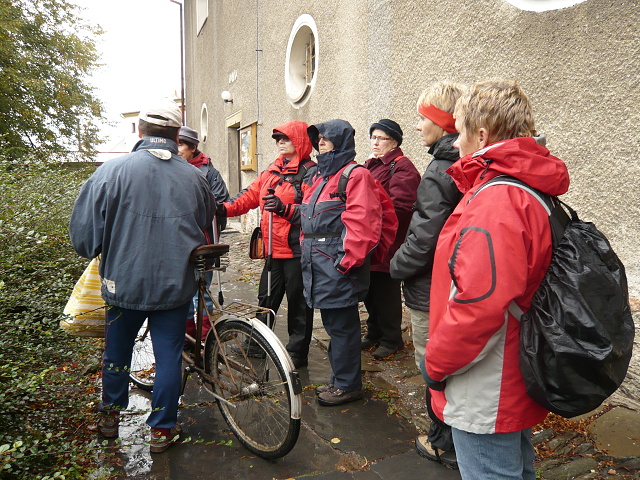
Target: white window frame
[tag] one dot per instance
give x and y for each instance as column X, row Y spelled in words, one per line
column 543, row 5
column 202, row 12
column 303, row 34
column 204, row 123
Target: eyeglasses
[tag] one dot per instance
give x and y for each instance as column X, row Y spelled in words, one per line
column 376, row 138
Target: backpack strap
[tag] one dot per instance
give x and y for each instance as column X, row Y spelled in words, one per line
column 342, row 182
column 544, row 199
column 296, row 179
column 392, row 165
column 558, row 218
column 553, row 206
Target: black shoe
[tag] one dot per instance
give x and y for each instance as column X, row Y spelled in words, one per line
column 337, row 396
column 426, row 450
column 366, row 343
column 299, row 362
column 383, row 351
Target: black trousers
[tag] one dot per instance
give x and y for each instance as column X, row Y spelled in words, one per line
column 286, row 277
column 440, row 435
column 384, row 306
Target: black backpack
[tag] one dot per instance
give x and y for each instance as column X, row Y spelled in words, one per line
column 576, row 339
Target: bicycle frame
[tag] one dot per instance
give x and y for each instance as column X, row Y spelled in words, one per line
column 242, row 363
column 294, row 384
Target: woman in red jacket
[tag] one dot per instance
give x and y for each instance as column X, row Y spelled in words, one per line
column 494, row 250
column 290, row 176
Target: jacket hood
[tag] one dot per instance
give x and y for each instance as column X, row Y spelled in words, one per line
column 443, row 148
column 342, row 135
column 521, row 158
column 297, row 133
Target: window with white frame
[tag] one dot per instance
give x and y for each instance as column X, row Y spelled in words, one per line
column 202, row 12
column 543, row 5
column 204, row 123
column 301, row 65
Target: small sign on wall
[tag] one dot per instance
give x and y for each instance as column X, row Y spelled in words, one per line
column 248, row 140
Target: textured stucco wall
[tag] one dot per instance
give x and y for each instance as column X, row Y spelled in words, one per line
column 580, row 66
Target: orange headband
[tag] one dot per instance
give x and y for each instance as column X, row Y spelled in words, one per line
column 439, row 117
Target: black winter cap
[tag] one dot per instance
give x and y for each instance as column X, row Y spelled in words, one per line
column 389, row 127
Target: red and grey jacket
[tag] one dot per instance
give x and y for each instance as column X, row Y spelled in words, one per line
column 493, row 250
column 400, row 178
column 279, row 175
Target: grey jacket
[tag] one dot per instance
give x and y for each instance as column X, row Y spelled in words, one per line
column 218, row 188
column 437, row 198
column 145, row 212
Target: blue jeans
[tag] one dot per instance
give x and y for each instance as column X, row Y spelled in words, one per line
column 167, row 335
column 495, row 456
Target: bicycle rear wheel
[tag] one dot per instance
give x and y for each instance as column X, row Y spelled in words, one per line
column 247, row 374
column 143, row 361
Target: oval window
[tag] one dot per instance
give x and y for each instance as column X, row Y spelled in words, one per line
column 301, row 65
column 204, row 123
column 543, row 5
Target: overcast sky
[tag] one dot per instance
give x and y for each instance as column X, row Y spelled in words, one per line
column 140, row 50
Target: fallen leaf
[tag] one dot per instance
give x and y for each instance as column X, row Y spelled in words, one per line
column 335, row 440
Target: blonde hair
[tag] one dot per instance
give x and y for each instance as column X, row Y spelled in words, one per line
column 443, row 95
column 500, row 106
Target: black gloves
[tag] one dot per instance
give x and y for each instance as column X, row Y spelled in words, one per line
column 221, row 210
column 274, row 204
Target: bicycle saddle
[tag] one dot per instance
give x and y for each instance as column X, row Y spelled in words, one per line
column 209, row 252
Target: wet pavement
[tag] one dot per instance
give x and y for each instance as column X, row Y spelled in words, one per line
column 358, row 440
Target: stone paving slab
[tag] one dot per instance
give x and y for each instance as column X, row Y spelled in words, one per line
column 618, row 432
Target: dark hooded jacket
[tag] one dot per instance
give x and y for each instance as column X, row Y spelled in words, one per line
column 279, row 176
column 437, row 197
column 339, row 236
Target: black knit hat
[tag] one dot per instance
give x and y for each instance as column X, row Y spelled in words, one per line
column 389, row 127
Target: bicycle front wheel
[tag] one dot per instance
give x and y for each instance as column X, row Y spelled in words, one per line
column 143, row 361
column 250, row 380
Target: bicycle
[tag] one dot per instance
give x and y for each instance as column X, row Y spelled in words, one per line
column 242, row 364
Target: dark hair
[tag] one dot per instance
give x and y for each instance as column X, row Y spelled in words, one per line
column 152, row 130
column 193, row 146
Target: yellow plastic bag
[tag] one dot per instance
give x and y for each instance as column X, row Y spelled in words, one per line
column 85, row 309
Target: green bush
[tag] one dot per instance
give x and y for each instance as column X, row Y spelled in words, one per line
column 46, row 389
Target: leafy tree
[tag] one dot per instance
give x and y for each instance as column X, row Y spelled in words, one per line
column 46, row 56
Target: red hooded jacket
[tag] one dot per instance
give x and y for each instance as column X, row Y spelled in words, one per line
column 286, row 237
column 493, row 250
